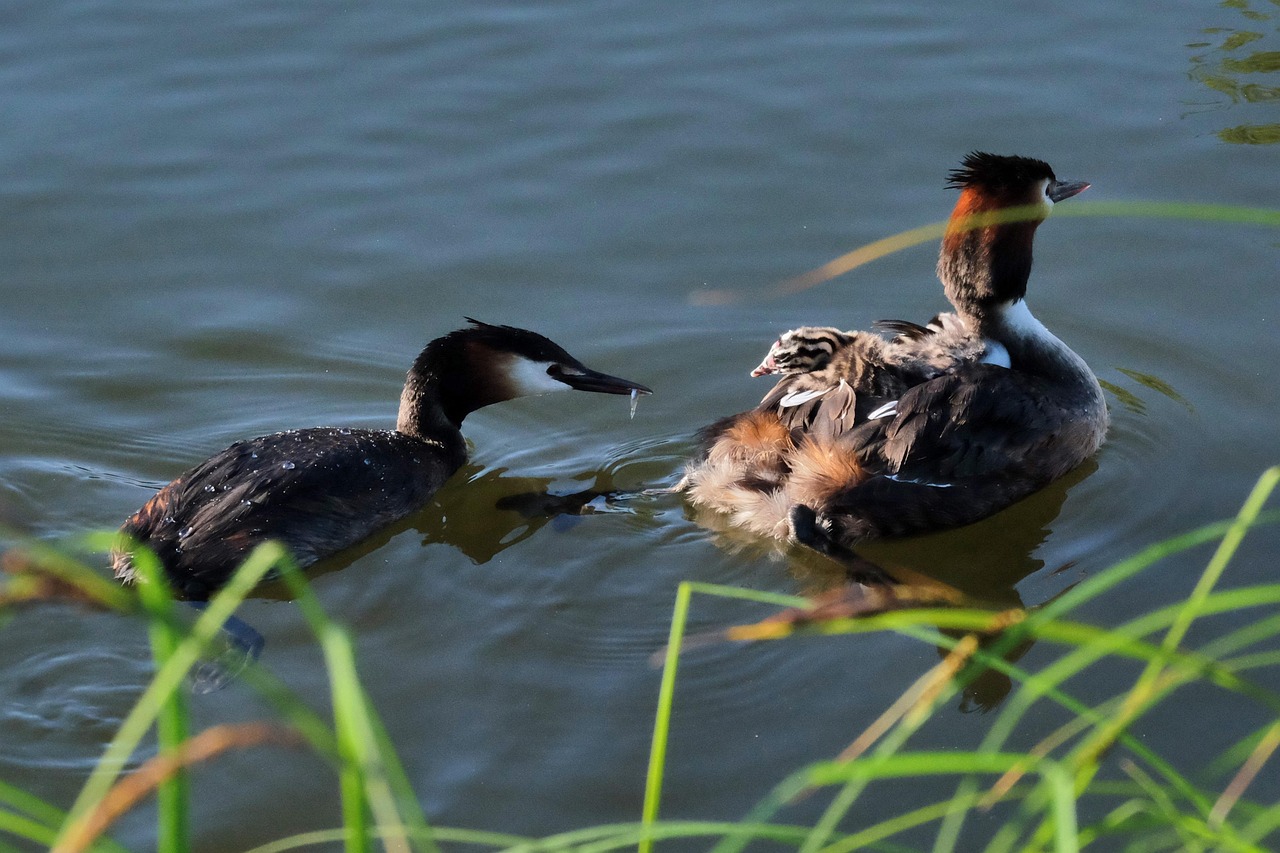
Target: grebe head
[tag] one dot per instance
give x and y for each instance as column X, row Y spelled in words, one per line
column 984, row 265
column 484, row 364
column 803, row 350
column 1009, row 181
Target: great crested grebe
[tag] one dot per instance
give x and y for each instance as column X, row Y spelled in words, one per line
column 941, row 426
column 324, row 489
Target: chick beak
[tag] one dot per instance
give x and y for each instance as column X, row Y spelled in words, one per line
column 582, row 378
column 1060, row 190
column 766, row 367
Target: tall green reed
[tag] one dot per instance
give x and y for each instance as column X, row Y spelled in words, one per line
column 1044, row 785
column 1047, row 816
column 376, row 795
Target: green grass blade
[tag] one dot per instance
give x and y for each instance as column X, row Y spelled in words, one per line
column 372, row 779
column 599, row 839
column 1087, row 756
column 740, row 594
column 1222, row 556
column 30, row 805
column 783, row 792
column 1164, row 807
column 1059, row 783
column 1263, row 824
column 1226, row 214
column 318, row 837
column 903, row 728
column 415, row 822
column 26, row 828
column 662, row 717
column 25, row 810
column 906, row 821
column 351, row 773
column 167, row 680
column 1101, row 643
column 1096, row 644
column 53, row 562
column 173, row 723
column 667, row 687
column 1019, row 704
column 885, row 246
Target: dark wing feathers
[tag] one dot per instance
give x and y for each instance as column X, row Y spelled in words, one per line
column 827, row 416
column 905, row 328
column 311, row 489
column 834, row 413
column 959, row 425
column 782, row 388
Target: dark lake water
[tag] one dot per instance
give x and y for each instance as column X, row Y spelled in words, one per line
column 221, row 219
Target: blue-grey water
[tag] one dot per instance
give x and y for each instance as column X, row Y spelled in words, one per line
column 221, row 219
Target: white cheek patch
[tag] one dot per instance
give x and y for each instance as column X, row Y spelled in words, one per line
column 530, row 378
column 1045, row 200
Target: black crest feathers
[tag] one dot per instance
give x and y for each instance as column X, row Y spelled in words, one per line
column 996, row 172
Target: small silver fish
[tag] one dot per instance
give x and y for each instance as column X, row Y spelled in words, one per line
column 635, row 401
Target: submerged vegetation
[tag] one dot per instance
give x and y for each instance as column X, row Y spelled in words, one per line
column 1041, row 795
column 1239, row 61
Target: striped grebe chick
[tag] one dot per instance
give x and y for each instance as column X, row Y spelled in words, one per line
column 838, row 374
column 940, row 426
column 322, row 490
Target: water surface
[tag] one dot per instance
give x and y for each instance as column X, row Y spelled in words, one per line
column 223, row 219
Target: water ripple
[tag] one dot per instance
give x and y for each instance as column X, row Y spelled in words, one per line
column 61, row 705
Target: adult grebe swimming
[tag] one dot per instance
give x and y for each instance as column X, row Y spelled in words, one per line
column 324, row 489
column 943, row 425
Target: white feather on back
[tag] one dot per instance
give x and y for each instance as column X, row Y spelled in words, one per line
column 795, row 398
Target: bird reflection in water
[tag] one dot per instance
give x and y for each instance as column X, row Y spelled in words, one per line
column 976, row 566
column 480, row 512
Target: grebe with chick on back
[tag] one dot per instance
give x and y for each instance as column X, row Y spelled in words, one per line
column 324, row 489
column 940, row 426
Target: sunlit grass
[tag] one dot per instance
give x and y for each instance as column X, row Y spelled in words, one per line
column 372, row 782
column 1224, row 214
column 1039, row 789
column 1066, row 763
